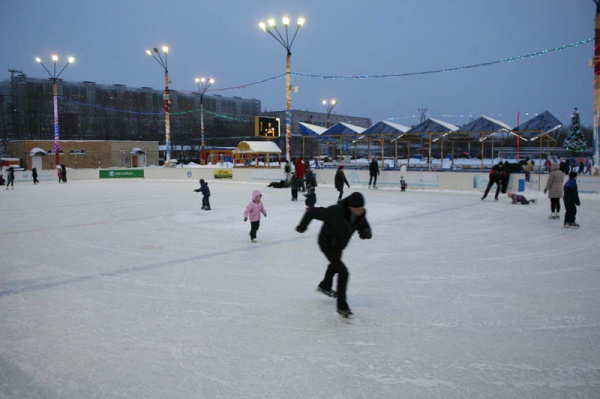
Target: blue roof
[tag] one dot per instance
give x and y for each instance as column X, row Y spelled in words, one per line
column 343, row 128
column 484, row 124
column 306, row 129
column 543, row 123
column 431, row 125
column 385, row 127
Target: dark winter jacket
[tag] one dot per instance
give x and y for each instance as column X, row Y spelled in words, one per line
column 373, row 168
column 340, row 180
column 311, row 198
column 203, row 188
column 496, row 174
column 338, row 225
column 571, row 192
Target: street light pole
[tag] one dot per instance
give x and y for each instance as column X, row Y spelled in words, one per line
column 328, row 108
column 329, row 105
column 54, row 76
column 269, row 27
column 163, row 63
column 203, row 85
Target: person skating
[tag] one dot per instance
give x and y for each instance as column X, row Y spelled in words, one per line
column 571, row 200
column 340, row 221
column 253, row 211
column 34, row 175
column 554, row 188
column 311, row 197
column 205, row 194
column 403, row 184
column 340, row 180
column 495, row 177
column 373, row 172
column 10, row 178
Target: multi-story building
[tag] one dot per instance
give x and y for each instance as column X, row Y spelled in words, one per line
column 91, row 111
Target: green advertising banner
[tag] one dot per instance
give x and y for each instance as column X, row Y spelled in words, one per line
column 122, row 174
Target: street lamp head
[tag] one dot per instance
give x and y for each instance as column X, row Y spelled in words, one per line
column 211, row 81
column 286, row 21
column 148, row 52
column 300, row 21
column 155, row 50
column 271, row 22
column 165, row 49
column 262, row 26
column 71, row 60
column 333, row 102
column 324, row 102
column 38, row 59
column 54, row 58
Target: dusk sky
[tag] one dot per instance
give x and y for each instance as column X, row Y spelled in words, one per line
column 221, row 39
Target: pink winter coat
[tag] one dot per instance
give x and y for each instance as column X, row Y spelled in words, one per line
column 255, row 207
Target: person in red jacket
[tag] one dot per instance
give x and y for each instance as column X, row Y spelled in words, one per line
column 300, row 171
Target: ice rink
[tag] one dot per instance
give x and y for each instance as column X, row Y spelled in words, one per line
column 126, row 289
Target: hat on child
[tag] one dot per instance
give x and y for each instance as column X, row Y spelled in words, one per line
column 356, row 200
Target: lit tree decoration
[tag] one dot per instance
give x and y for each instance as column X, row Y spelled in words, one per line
column 575, row 142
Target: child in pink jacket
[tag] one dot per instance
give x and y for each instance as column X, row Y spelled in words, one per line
column 253, row 211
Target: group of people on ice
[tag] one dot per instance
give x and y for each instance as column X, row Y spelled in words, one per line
column 554, row 188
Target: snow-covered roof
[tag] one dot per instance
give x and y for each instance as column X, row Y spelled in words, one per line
column 386, row 127
column 37, row 151
column 260, row 147
column 307, row 129
column 343, row 128
column 431, row 125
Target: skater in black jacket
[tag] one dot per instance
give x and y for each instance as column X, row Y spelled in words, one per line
column 340, row 180
column 373, row 172
column 495, row 177
column 571, row 200
column 340, row 221
column 205, row 194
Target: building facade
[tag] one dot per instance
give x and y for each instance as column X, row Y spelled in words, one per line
column 84, row 154
column 91, row 111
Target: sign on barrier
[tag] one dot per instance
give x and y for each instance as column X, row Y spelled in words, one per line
column 122, row 174
column 223, row 173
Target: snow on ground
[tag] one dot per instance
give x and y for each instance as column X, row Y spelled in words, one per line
column 126, row 289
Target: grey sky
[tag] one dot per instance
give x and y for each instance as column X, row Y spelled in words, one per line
column 221, row 39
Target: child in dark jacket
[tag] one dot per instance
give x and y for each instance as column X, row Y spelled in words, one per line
column 205, row 194
column 571, row 200
column 311, row 197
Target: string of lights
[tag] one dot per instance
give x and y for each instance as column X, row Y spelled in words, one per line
column 151, row 113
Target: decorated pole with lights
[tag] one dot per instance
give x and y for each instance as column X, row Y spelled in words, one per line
column 54, row 76
column 163, row 63
column 203, row 85
column 286, row 42
column 596, row 65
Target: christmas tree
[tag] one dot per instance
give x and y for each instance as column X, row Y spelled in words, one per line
column 575, row 142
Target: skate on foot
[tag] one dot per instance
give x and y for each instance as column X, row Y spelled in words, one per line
column 345, row 313
column 329, row 293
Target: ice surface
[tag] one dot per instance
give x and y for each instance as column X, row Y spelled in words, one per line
column 126, row 289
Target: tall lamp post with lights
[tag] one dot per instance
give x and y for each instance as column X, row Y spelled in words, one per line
column 286, row 42
column 329, row 105
column 203, row 85
column 54, row 76
column 162, row 60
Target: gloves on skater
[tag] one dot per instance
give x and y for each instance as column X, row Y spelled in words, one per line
column 300, row 229
column 545, row 191
column 365, row 234
column 245, row 219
